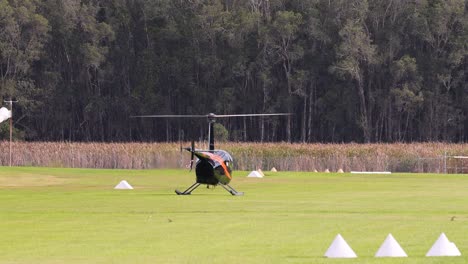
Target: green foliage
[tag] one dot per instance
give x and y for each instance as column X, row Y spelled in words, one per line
column 220, row 132
column 408, row 95
column 17, row 134
column 349, row 70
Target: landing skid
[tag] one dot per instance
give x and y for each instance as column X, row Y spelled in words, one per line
column 189, row 189
column 231, row 190
column 194, row 186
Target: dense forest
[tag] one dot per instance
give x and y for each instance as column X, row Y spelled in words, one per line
column 348, row 70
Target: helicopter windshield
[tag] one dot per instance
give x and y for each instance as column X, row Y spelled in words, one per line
column 223, row 154
column 216, row 157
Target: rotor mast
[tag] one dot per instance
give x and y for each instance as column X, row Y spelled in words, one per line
column 211, row 121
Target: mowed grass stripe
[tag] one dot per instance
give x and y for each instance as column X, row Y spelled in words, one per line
column 52, row 215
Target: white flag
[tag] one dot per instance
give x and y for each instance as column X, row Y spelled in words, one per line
column 4, row 114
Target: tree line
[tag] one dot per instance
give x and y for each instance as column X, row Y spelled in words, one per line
column 348, row 70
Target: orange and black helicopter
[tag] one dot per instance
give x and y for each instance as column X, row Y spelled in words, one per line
column 213, row 166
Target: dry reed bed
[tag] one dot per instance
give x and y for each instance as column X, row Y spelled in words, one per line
column 415, row 157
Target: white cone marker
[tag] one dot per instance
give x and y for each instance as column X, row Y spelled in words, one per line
column 443, row 248
column 390, row 248
column 340, row 249
column 123, row 185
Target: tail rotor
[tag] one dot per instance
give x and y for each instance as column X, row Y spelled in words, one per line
column 192, row 154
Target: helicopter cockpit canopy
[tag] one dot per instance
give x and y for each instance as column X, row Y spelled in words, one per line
column 224, row 155
column 215, row 157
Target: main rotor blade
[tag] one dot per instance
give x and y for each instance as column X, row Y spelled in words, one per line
column 209, row 115
column 169, row 116
column 240, row 115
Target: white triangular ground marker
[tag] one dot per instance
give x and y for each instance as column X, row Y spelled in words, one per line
column 443, row 247
column 455, row 250
column 390, row 248
column 340, row 249
column 261, row 172
column 123, row 185
column 273, row 169
column 254, row 174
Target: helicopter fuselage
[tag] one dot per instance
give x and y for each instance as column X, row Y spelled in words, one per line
column 213, row 167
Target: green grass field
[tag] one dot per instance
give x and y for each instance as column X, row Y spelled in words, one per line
column 75, row 216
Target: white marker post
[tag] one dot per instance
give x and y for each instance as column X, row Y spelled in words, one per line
column 11, row 123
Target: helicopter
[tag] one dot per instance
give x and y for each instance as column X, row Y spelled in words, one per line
column 213, row 167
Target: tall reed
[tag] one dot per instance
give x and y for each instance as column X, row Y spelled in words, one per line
column 399, row 157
